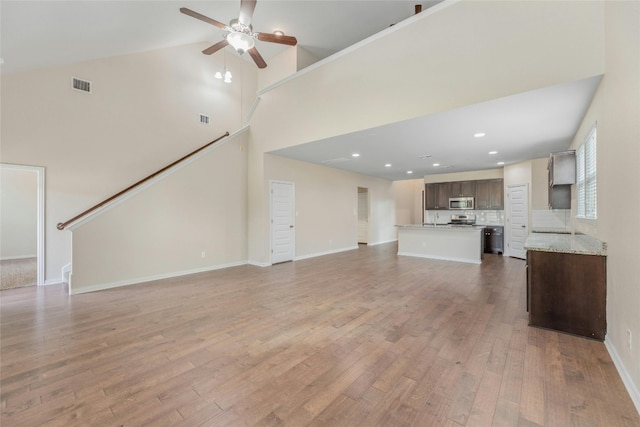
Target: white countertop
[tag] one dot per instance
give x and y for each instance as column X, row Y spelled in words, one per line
column 566, row 243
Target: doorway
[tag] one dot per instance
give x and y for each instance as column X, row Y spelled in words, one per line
column 363, row 216
column 22, row 226
column 517, row 220
column 282, row 221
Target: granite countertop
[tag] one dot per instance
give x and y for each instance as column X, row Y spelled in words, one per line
column 566, row 243
column 440, row 226
column 550, row 230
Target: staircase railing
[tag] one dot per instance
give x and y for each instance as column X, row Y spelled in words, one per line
column 62, row 225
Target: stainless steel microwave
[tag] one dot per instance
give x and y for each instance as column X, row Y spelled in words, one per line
column 461, row 203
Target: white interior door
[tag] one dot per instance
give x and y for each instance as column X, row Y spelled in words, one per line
column 517, row 220
column 282, row 222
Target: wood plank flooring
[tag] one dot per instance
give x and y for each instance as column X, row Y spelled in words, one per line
column 360, row 338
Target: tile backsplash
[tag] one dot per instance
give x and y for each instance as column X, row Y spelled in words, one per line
column 558, row 220
column 551, row 220
column 482, row 216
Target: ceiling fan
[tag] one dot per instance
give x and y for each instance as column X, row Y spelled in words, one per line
column 239, row 33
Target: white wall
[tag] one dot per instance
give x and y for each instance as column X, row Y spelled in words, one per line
column 165, row 229
column 280, row 66
column 18, row 213
column 142, row 115
column 327, row 205
column 359, row 88
column 616, row 109
column 539, row 184
column 409, row 201
column 465, row 176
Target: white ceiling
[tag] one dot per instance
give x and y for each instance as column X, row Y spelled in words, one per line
column 37, row 34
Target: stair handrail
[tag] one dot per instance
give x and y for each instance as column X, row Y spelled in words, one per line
column 63, row 225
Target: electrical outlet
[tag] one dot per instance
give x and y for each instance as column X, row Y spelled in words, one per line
column 203, row 254
column 629, row 338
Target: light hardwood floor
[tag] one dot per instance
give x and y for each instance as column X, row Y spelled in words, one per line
column 361, row 338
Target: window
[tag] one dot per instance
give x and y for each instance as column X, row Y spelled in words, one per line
column 586, row 177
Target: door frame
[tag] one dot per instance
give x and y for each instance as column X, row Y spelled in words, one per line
column 507, row 249
column 40, row 232
column 293, row 217
column 368, row 209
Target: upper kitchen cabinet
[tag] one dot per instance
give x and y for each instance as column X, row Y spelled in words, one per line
column 462, row 189
column 562, row 168
column 562, row 173
column 490, row 194
column 437, row 196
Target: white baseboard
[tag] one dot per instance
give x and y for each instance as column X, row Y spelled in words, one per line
column 382, row 243
column 57, row 281
column 17, row 257
column 259, row 264
column 470, row 261
column 626, row 378
column 317, row 254
column 127, row 282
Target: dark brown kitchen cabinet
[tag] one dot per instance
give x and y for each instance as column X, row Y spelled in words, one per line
column 437, row 196
column 490, row 194
column 567, row 292
column 462, row 189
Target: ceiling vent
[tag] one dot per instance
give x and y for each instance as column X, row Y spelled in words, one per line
column 204, row 119
column 81, row 85
column 333, row 161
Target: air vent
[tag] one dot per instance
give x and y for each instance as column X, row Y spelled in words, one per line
column 332, row 161
column 204, row 119
column 81, row 85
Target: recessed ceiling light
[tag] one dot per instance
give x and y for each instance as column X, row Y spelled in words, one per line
column 409, row 172
column 493, row 152
column 388, row 165
column 436, row 164
column 479, row 134
column 501, row 163
column 355, row 155
column 425, row 156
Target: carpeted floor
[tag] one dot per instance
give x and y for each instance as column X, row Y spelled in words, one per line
column 18, row 273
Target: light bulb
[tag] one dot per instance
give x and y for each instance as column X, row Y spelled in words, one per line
column 241, row 42
column 218, row 75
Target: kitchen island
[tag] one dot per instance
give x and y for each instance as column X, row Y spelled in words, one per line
column 446, row 242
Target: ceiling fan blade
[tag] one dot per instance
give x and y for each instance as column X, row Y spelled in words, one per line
column 202, row 18
column 274, row 38
column 246, row 11
column 257, row 58
column 216, row 47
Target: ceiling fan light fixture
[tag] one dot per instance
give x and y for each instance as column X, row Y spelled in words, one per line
column 278, row 33
column 241, row 42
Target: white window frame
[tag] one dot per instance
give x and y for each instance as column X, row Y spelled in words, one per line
column 586, row 177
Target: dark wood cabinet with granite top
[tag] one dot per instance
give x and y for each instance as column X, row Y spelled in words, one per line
column 567, row 292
